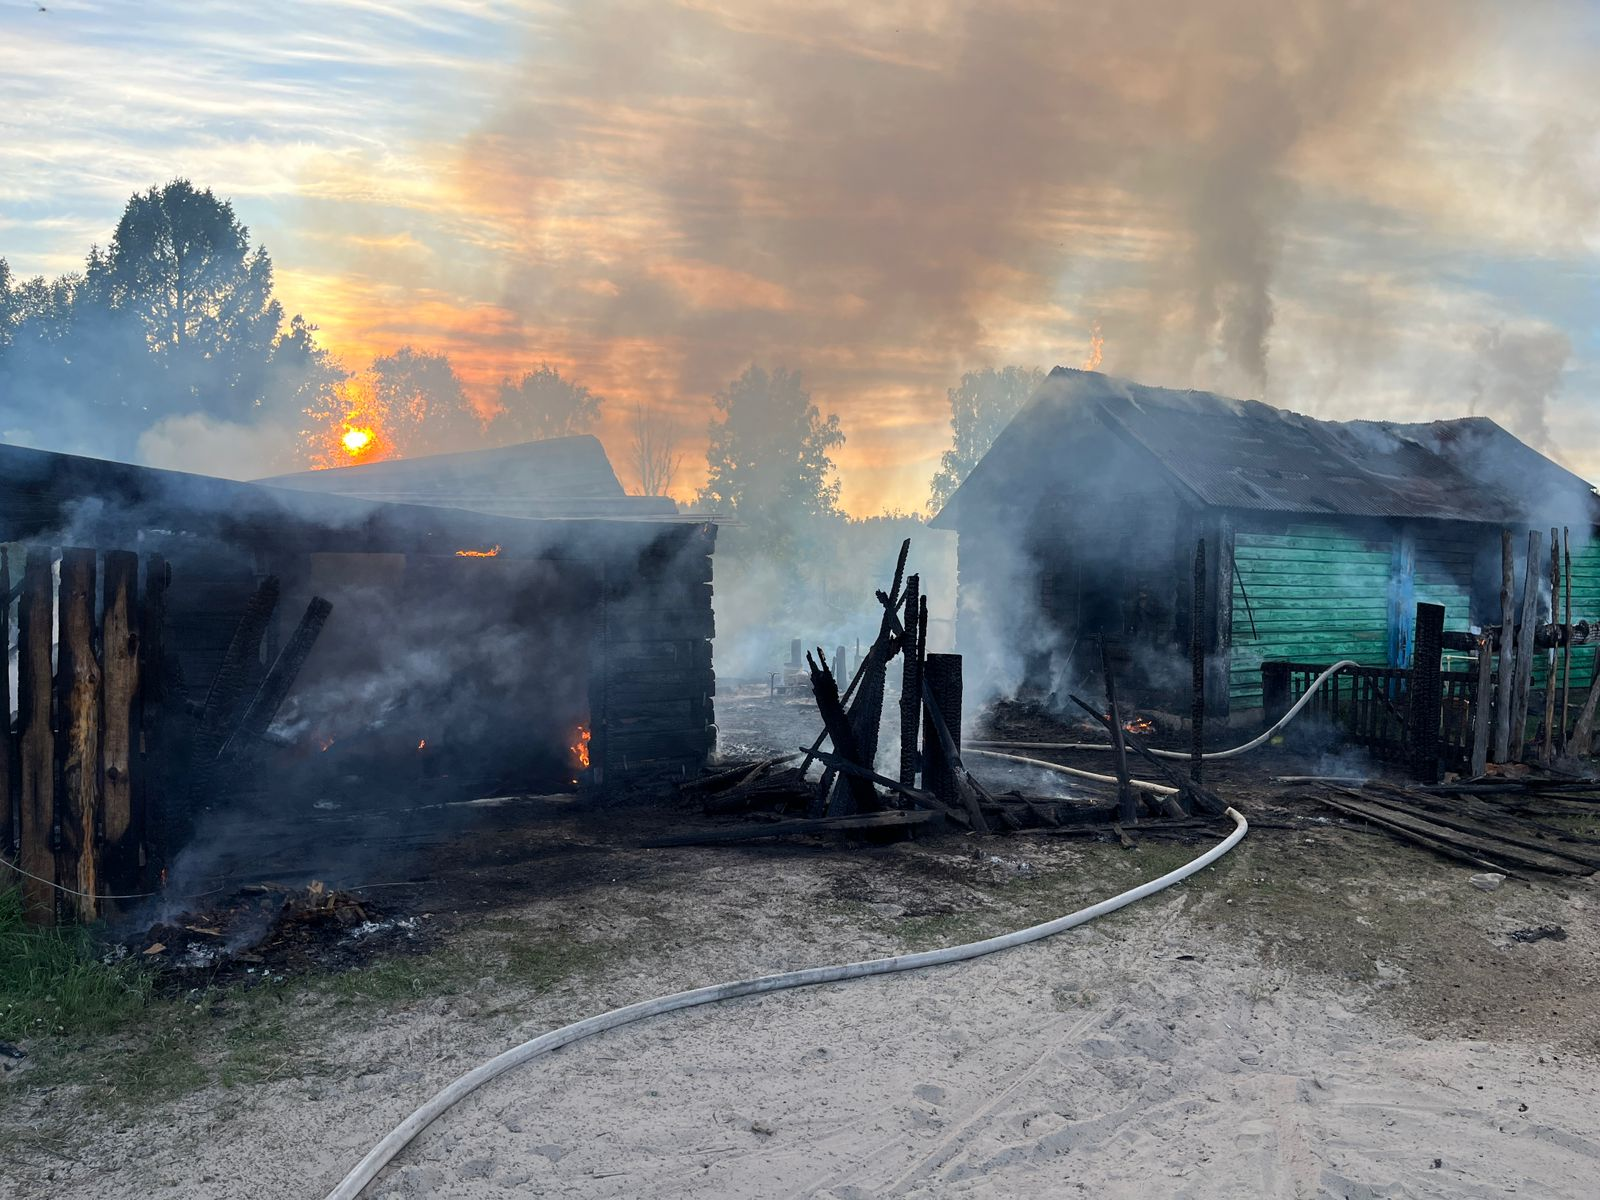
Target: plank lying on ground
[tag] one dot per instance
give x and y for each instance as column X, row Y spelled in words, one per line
column 1490, row 832
column 1502, row 849
column 897, row 819
column 1405, row 834
column 733, row 775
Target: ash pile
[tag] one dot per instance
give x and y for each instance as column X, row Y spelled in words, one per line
column 265, row 932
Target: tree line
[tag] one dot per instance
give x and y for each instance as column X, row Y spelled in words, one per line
column 176, row 315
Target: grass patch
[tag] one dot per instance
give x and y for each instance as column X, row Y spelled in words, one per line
column 52, row 985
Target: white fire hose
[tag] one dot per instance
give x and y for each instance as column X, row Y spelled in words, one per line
column 380, row 1155
column 987, row 748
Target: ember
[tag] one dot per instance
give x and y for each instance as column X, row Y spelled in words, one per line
column 491, row 552
column 1139, row 725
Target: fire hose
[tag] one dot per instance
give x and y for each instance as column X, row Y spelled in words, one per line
column 393, row 1142
column 988, row 748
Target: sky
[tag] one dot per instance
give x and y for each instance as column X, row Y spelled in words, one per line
column 1347, row 209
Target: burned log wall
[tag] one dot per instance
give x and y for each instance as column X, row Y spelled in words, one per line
column 652, row 693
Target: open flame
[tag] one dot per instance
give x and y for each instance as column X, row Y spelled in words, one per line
column 422, row 743
column 580, row 748
column 1097, row 348
column 489, row 553
column 1139, row 725
column 357, row 441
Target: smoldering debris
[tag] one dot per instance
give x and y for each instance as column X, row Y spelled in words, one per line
column 264, row 932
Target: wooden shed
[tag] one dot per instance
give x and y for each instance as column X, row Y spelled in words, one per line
column 556, row 635
column 1321, row 537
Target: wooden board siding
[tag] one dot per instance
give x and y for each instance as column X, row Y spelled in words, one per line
column 1318, row 592
column 1445, row 561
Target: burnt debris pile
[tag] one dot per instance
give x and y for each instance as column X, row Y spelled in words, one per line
column 931, row 786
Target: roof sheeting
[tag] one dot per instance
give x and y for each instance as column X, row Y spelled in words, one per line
column 568, row 477
column 1242, row 454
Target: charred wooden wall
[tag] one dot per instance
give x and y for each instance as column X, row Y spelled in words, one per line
column 651, row 697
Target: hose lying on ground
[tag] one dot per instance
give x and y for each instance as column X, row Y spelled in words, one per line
column 988, row 747
column 393, row 1142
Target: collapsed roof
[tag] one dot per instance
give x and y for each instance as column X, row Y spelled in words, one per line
column 1243, row 454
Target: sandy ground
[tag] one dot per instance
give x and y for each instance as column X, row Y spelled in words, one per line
column 1163, row 1051
column 1325, row 1013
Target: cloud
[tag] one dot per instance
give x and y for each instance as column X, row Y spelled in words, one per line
column 1286, row 200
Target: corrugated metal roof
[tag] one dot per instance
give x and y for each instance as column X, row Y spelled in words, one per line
column 1243, row 454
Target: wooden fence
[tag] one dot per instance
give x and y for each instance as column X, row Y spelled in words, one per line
column 1421, row 716
column 77, row 796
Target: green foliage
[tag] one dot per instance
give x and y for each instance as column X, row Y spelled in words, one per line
column 543, row 405
column 421, row 402
column 175, row 316
column 52, row 985
column 979, row 409
column 768, row 460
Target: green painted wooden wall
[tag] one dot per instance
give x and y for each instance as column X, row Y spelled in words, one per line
column 1319, row 592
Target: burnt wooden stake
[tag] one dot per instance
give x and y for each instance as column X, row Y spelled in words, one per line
column 1197, row 664
column 1482, row 717
column 78, row 680
column 36, row 739
column 119, row 652
column 1427, row 692
column 1547, row 746
column 1127, row 801
column 910, row 685
column 1524, row 668
column 1508, row 623
column 275, row 687
column 837, row 723
column 1566, row 648
column 8, row 765
column 941, row 758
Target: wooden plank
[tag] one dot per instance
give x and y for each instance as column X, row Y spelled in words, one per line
column 36, row 739
column 1504, row 684
column 1547, row 744
column 837, row 723
column 1524, row 667
column 1127, row 803
column 1483, row 706
column 78, row 679
column 119, row 651
column 280, row 678
column 1566, row 650
column 1409, row 834
column 1425, row 693
column 8, row 746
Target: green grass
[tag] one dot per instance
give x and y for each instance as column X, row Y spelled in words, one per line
column 51, row 983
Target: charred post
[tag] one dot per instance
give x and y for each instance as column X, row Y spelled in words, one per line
column 1524, row 669
column 1504, row 685
column 36, row 739
column 1197, row 665
column 943, row 683
column 1547, row 745
column 78, row 678
column 8, row 753
column 1127, row 801
column 910, row 683
column 1427, row 692
column 119, row 651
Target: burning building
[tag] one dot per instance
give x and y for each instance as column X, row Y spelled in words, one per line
column 1082, row 522
column 499, row 621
